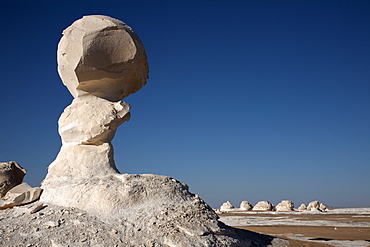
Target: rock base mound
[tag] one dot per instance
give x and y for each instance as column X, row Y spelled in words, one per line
column 123, row 210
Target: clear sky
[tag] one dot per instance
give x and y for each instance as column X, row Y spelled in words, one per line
column 247, row 100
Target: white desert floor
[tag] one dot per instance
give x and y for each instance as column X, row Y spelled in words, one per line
column 345, row 219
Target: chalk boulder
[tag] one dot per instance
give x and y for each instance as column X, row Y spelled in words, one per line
column 323, row 207
column 102, row 56
column 245, row 205
column 303, row 207
column 19, row 195
column 263, row 206
column 227, row 206
column 11, row 174
column 313, row 206
column 285, row 206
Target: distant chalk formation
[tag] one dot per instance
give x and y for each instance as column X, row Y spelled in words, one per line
column 303, row 207
column 246, row 206
column 265, row 206
column 227, row 206
column 285, row 206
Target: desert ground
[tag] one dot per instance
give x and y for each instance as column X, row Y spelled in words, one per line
column 341, row 227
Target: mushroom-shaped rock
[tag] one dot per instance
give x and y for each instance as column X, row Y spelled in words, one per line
column 313, row 206
column 303, row 207
column 263, row 206
column 285, row 206
column 11, row 174
column 245, row 205
column 227, row 206
column 323, row 207
column 102, row 56
column 101, row 61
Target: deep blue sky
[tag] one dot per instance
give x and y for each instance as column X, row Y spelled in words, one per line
column 247, row 100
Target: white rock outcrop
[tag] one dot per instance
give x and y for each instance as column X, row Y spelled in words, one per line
column 11, row 174
column 19, row 195
column 12, row 191
column 263, row 206
column 323, row 207
column 246, row 206
column 313, row 206
column 285, row 206
column 227, row 206
column 101, row 61
column 302, row 207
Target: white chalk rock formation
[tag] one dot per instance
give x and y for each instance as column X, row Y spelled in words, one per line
column 263, row 206
column 101, row 61
column 285, row 206
column 19, row 195
column 303, row 207
column 11, row 174
column 227, row 206
column 245, row 205
column 313, row 206
column 102, row 56
column 323, row 207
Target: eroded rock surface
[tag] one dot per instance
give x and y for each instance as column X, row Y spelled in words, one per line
column 285, row 206
column 101, row 61
column 19, row 195
column 313, row 206
column 11, row 174
column 245, row 205
column 40, row 224
column 302, row 207
column 323, row 207
column 102, row 56
column 12, row 191
column 263, row 206
column 227, row 206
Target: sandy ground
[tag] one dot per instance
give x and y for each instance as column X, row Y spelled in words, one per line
column 338, row 227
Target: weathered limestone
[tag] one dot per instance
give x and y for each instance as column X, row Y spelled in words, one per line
column 11, row 174
column 101, row 61
column 90, row 120
column 12, row 191
column 102, row 56
column 285, row 206
column 263, row 206
column 227, row 206
column 245, row 205
column 19, row 195
column 303, row 207
column 313, row 206
column 323, row 207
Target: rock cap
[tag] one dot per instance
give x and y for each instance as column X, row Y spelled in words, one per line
column 102, row 56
